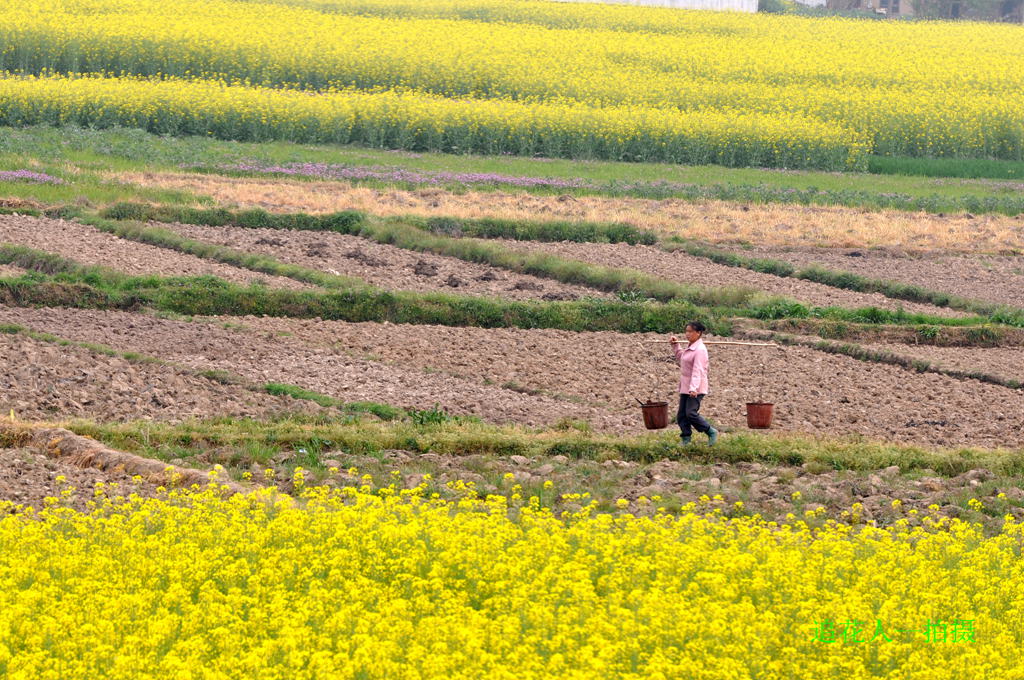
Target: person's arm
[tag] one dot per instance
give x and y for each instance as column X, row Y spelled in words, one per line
column 700, row 370
column 677, row 347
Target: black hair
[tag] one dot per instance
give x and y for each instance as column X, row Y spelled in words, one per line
column 697, row 326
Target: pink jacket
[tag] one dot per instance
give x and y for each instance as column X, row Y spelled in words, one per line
column 693, row 368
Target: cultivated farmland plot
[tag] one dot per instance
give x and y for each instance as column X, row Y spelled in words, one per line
column 323, row 325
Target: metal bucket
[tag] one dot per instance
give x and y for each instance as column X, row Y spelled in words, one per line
column 759, row 415
column 655, row 414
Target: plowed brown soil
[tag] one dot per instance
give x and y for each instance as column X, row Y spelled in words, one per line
column 1002, row 362
column 684, row 268
column 488, row 372
column 268, row 356
column 992, row 278
column 28, row 478
column 45, row 381
column 383, row 265
column 86, row 245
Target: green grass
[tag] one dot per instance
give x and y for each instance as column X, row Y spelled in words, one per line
column 631, row 285
column 474, row 438
column 73, row 285
column 118, row 150
column 972, row 168
column 1001, row 314
column 524, row 230
column 382, row 411
column 165, row 238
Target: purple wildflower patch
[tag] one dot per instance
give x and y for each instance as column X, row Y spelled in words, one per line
column 28, row 176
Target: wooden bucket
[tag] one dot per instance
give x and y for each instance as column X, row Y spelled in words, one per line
column 759, row 415
column 655, row 414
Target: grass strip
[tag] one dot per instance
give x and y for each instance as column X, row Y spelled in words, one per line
column 950, row 336
column 98, row 288
column 523, row 230
column 630, row 284
column 165, row 238
column 134, row 357
column 593, row 232
column 382, row 411
column 846, row 280
column 400, row 233
column 342, row 222
column 472, row 438
column 82, row 287
column 884, row 357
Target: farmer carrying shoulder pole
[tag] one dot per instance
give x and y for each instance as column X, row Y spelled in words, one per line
column 693, row 383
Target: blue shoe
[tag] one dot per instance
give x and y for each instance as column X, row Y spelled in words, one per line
column 686, row 440
column 712, row 436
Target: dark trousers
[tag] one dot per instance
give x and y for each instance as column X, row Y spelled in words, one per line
column 689, row 417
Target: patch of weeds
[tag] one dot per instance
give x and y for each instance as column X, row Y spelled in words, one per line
column 983, row 335
column 780, row 309
column 834, row 329
column 927, row 333
column 522, row 389
column 296, row 392
column 817, row 467
column 223, row 377
column 309, row 453
column 382, row 411
column 632, row 297
column 432, row 416
column 572, row 424
column 576, row 450
column 260, row 452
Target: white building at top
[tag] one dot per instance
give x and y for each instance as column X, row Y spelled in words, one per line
column 720, row 5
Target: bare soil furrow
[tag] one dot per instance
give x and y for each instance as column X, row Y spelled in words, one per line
column 45, row 381
column 686, row 268
column 28, row 477
column 1002, row 362
column 541, row 376
column 86, row 245
column 267, row 356
column 992, row 278
column 386, row 266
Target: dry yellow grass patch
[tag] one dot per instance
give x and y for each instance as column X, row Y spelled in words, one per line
column 714, row 221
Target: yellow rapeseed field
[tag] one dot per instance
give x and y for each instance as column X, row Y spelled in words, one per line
column 384, row 583
column 574, row 80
